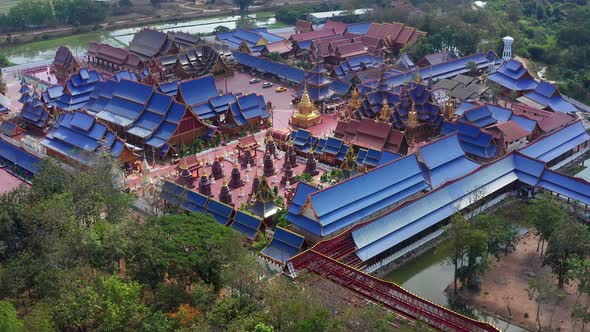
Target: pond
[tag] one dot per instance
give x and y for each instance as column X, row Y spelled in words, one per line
column 45, row 50
column 429, row 275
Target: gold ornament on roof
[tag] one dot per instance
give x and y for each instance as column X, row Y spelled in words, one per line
column 413, row 116
column 307, row 114
column 385, row 111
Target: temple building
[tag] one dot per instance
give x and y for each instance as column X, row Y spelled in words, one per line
column 64, row 64
column 33, row 112
column 113, row 59
column 194, row 62
column 307, row 114
column 149, row 43
column 77, row 138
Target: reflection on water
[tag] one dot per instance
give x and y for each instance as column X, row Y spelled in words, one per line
column 428, row 275
column 78, row 44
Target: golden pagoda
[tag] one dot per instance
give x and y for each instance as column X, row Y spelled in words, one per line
column 307, row 114
column 385, row 113
column 449, row 110
column 412, row 117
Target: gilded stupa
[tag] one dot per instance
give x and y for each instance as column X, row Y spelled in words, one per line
column 307, row 114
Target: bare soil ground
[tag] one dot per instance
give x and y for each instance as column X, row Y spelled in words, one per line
column 507, row 281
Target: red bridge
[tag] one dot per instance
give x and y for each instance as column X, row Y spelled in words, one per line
column 385, row 293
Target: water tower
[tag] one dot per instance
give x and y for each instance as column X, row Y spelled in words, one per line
column 507, row 53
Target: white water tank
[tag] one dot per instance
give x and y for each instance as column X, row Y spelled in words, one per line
column 507, row 53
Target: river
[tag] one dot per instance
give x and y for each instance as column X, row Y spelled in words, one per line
column 45, row 50
column 428, row 275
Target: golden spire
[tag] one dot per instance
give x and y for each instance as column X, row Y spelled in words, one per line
column 305, row 102
column 418, row 77
column 450, row 110
column 256, row 172
column 236, row 163
column 204, row 172
column 224, row 184
column 385, row 111
column 413, row 116
column 183, row 166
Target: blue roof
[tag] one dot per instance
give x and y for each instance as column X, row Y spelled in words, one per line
column 301, row 193
column 284, row 245
column 358, row 28
column 549, row 147
column 438, row 71
column 463, row 107
column 446, row 160
column 198, row 90
column 221, row 212
column 475, row 141
column 250, row 37
column 512, row 75
column 172, row 193
column 195, row 202
column 280, row 70
column 246, row 224
column 18, row 157
column 75, row 135
column 361, row 196
column 548, row 96
column 408, row 220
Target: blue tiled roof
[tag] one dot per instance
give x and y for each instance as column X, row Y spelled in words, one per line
column 476, row 142
column 548, row 96
column 359, row 197
column 551, row 146
column 512, row 75
column 77, row 92
column 250, row 37
column 438, row 71
column 446, row 160
column 172, row 193
column 194, row 202
column 301, row 193
column 80, row 136
column 18, row 157
column 221, row 212
column 284, row 245
column 198, row 90
column 410, row 219
column 358, row 28
column 246, row 224
column 280, row 70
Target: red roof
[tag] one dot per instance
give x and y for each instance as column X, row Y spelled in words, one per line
column 280, row 47
column 348, row 50
column 303, row 26
column 510, row 130
column 547, row 121
column 116, row 55
column 384, row 30
column 338, row 27
column 312, row 35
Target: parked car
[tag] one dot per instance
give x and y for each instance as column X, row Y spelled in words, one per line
column 254, row 80
column 266, row 84
column 281, row 89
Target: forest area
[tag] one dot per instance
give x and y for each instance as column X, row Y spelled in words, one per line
column 75, row 256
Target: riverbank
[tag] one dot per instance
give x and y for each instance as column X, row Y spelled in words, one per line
column 159, row 16
column 503, row 292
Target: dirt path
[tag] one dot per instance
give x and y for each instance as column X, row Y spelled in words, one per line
column 507, row 281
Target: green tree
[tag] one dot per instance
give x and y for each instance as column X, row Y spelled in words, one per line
column 243, row 5
column 106, row 304
column 570, row 240
column 8, row 319
column 221, row 28
column 545, row 215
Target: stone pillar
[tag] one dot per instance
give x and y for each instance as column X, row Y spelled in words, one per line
column 287, row 173
column 235, row 178
column 205, row 185
column 291, row 156
column 217, row 169
column 310, row 166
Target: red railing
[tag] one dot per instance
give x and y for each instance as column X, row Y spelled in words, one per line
column 386, row 293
